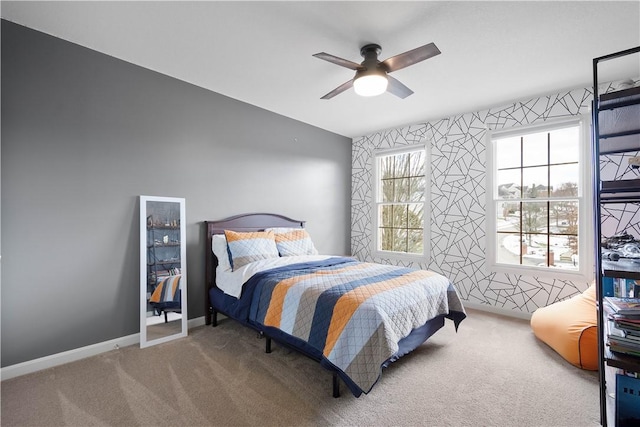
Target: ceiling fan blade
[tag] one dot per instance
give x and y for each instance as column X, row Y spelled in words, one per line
column 339, row 90
column 410, row 57
column 397, row 88
column 338, row 61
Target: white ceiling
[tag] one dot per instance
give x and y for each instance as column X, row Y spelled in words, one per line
column 493, row 52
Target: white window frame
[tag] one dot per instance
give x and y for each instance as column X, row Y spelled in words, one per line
column 586, row 268
column 401, row 256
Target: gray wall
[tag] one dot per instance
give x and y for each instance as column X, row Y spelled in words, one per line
column 83, row 134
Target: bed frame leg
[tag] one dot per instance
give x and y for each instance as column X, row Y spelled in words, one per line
column 214, row 318
column 336, row 385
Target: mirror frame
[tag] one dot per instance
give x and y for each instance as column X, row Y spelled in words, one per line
column 144, row 341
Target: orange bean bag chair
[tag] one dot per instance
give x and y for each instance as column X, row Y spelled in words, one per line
column 570, row 328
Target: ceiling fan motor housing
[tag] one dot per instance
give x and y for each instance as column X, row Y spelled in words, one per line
column 371, row 64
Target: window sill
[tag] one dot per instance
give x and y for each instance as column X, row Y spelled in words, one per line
column 553, row 273
column 396, row 256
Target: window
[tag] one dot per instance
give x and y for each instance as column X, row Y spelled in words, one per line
column 538, row 215
column 400, row 199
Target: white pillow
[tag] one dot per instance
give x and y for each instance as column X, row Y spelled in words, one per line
column 219, row 246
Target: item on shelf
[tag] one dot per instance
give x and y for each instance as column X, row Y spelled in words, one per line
column 619, row 287
column 625, row 327
column 618, row 240
column 623, row 306
column 631, row 250
column 620, row 245
column 623, row 341
column 610, row 255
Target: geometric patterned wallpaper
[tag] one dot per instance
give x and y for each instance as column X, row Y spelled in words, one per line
column 458, row 173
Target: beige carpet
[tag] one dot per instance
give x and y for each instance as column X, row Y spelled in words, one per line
column 493, row 372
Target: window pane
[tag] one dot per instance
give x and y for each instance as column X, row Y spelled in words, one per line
column 386, row 167
column 417, row 163
column 385, row 239
column 402, row 165
column 386, row 216
column 400, row 216
column 537, row 247
column 507, row 152
column 416, row 215
column 564, row 180
column 534, row 217
column 509, row 248
column 387, row 190
column 535, row 149
column 509, row 184
column 401, row 190
column 417, row 189
column 508, row 216
column 400, row 240
column 415, row 242
column 535, row 182
column 565, row 145
column 565, row 251
column 563, row 217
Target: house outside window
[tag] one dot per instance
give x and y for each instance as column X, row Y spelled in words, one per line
column 538, row 213
column 400, row 198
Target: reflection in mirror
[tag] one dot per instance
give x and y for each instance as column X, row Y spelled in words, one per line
column 163, row 275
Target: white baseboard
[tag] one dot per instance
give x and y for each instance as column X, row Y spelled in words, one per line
column 497, row 310
column 66, row 357
column 58, row 359
column 194, row 323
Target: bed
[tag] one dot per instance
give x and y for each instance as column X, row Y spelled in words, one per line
column 167, row 297
column 354, row 318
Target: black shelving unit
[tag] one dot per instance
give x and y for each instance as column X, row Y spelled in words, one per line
column 616, row 130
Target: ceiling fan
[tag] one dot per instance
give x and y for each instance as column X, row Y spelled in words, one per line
column 372, row 77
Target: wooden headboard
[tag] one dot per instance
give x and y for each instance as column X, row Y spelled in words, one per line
column 243, row 222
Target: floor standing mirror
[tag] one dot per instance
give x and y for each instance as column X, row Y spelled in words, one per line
column 163, row 270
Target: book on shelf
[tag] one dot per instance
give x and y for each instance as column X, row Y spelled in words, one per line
column 624, row 306
column 617, row 329
column 619, row 287
column 624, row 345
column 626, row 324
column 617, row 347
column 621, row 340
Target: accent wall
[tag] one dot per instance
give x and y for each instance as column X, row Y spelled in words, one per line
column 458, row 200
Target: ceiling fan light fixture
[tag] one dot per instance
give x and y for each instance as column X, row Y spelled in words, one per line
column 370, row 84
column 371, row 77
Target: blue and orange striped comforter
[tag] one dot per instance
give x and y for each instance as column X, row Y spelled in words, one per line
column 167, row 293
column 352, row 313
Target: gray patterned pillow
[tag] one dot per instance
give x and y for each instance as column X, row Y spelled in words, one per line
column 248, row 247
